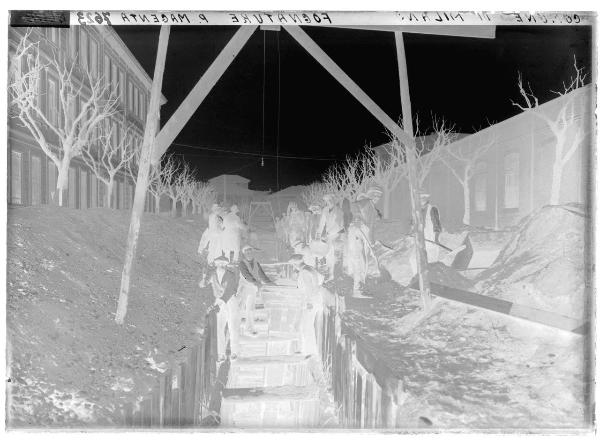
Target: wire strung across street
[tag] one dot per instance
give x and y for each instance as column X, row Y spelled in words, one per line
column 247, row 153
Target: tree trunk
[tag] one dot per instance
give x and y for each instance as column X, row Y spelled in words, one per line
column 157, row 204
column 173, row 207
column 109, row 193
column 557, row 171
column 467, row 201
column 184, row 206
column 62, row 182
column 143, row 173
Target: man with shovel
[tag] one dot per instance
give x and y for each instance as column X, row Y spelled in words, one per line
column 360, row 238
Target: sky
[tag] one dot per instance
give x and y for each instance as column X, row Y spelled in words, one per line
column 276, row 100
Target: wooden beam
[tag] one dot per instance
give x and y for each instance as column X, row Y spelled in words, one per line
column 411, row 157
column 141, row 185
column 505, row 307
column 202, row 88
column 312, row 48
column 470, row 31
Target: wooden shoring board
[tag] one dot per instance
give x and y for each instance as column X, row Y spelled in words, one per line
column 509, row 308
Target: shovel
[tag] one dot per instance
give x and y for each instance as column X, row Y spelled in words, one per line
column 458, row 258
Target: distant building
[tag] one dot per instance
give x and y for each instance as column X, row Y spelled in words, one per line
column 514, row 177
column 32, row 176
column 233, row 189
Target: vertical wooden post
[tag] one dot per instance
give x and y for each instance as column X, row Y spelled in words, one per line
column 411, row 157
column 141, row 185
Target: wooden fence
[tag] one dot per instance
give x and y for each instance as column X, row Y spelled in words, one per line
column 182, row 396
column 365, row 391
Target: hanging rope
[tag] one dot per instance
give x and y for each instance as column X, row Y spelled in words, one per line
column 262, row 163
column 278, row 110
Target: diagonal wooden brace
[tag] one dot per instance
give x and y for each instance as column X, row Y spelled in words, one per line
column 202, row 88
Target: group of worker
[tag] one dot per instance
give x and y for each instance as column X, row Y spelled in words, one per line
column 327, row 231
column 347, row 229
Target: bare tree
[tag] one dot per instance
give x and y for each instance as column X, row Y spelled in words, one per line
column 159, row 181
column 203, row 196
column 428, row 154
column 171, row 184
column 568, row 130
column 114, row 151
column 461, row 160
column 313, row 194
column 73, row 125
column 388, row 169
column 184, row 188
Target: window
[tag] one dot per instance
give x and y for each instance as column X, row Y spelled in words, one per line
column 53, row 35
column 129, row 96
column 114, row 78
column 106, row 69
column 36, row 180
column 83, row 48
column 52, row 172
column 480, row 187
column 136, row 108
column 74, row 41
column 142, row 107
column 121, row 85
column 511, row 180
column 93, row 58
column 83, row 196
column 52, row 101
column 72, row 189
column 16, row 159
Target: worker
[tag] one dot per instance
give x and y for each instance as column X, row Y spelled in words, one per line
column 432, row 227
column 252, row 278
column 224, row 286
column 212, row 236
column 331, row 226
column 296, row 224
column 361, row 258
column 312, row 222
column 314, row 298
column 233, row 227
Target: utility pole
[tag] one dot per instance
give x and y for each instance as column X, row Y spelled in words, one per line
column 141, row 185
column 411, row 157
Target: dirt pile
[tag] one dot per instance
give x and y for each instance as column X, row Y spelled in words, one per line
column 543, row 264
column 69, row 364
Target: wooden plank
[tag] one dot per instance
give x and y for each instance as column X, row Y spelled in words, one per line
column 146, row 411
column 192, row 369
column 155, row 418
column 411, row 157
column 166, row 393
column 128, row 410
column 470, row 31
column 199, row 396
column 202, row 88
column 505, row 307
column 312, row 48
column 141, row 185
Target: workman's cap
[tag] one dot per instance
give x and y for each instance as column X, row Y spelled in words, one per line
column 314, row 208
column 234, row 209
column 424, row 196
column 246, row 247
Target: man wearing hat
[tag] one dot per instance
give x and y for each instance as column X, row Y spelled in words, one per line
column 223, row 285
column 212, row 236
column 252, row 277
column 331, row 225
column 233, row 227
column 360, row 238
column 314, row 297
column 312, row 222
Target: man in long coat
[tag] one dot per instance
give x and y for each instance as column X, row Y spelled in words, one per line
column 233, row 227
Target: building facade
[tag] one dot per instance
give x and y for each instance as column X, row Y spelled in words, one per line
column 514, row 177
column 31, row 174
